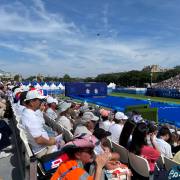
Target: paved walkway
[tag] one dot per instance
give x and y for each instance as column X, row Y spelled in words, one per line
column 9, row 166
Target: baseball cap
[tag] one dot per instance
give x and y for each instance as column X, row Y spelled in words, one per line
column 51, row 100
column 64, row 106
column 120, row 116
column 34, row 94
column 89, row 116
column 104, row 112
column 101, row 133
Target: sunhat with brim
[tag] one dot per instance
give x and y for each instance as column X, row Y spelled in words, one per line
column 89, row 116
column 34, row 94
column 64, row 106
column 120, row 116
column 82, row 141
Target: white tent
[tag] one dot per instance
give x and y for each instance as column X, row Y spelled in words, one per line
column 53, row 86
column 37, row 86
column 45, row 86
column 25, row 88
column 112, row 85
column 61, row 86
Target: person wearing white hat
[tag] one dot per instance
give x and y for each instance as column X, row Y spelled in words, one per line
column 117, row 127
column 87, row 124
column 38, row 138
column 63, row 120
column 52, row 106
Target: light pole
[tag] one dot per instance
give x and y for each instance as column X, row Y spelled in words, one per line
column 151, row 78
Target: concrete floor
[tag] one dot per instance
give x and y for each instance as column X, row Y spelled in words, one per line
column 9, row 166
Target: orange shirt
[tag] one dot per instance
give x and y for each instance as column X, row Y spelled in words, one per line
column 70, row 170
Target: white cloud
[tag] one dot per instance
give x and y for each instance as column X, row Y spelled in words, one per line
column 50, row 45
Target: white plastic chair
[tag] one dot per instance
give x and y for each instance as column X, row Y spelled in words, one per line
column 122, row 151
column 26, row 144
column 169, row 163
column 139, row 164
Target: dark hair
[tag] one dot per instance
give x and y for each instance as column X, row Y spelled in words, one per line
column 126, row 132
column 138, row 138
column 164, row 130
column 104, row 118
column 22, row 97
column 152, row 128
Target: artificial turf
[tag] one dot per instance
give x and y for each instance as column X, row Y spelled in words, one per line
column 139, row 96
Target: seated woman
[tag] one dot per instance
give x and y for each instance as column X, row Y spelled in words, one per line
column 80, row 152
column 139, row 145
column 113, row 168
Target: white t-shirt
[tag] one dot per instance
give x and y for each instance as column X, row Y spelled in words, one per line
column 20, row 110
column 115, row 131
column 34, row 128
column 80, row 129
column 164, row 147
column 106, row 125
column 39, row 114
column 51, row 114
column 65, row 122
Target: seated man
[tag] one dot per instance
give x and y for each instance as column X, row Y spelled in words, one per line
column 52, row 106
column 64, row 119
column 116, row 128
column 164, row 147
column 87, row 124
column 38, row 138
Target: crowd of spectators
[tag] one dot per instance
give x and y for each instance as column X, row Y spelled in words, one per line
column 92, row 127
column 172, row 83
column 5, row 131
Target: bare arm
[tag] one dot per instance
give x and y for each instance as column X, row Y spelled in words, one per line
column 43, row 141
column 101, row 160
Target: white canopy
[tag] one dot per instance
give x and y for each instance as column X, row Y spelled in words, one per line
column 45, row 86
column 112, row 85
column 37, row 86
column 53, row 86
column 61, row 86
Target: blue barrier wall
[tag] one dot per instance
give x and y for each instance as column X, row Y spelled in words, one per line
column 171, row 93
column 85, row 89
column 131, row 90
column 52, row 92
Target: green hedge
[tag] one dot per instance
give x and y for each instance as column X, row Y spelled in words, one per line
column 136, row 107
column 149, row 114
column 146, row 112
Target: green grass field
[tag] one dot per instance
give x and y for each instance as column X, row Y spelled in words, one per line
column 138, row 96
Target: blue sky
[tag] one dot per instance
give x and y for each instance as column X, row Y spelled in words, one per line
column 88, row 37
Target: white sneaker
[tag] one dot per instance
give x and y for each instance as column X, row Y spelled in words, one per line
column 4, row 154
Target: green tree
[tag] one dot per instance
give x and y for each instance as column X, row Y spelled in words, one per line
column 66, row 78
